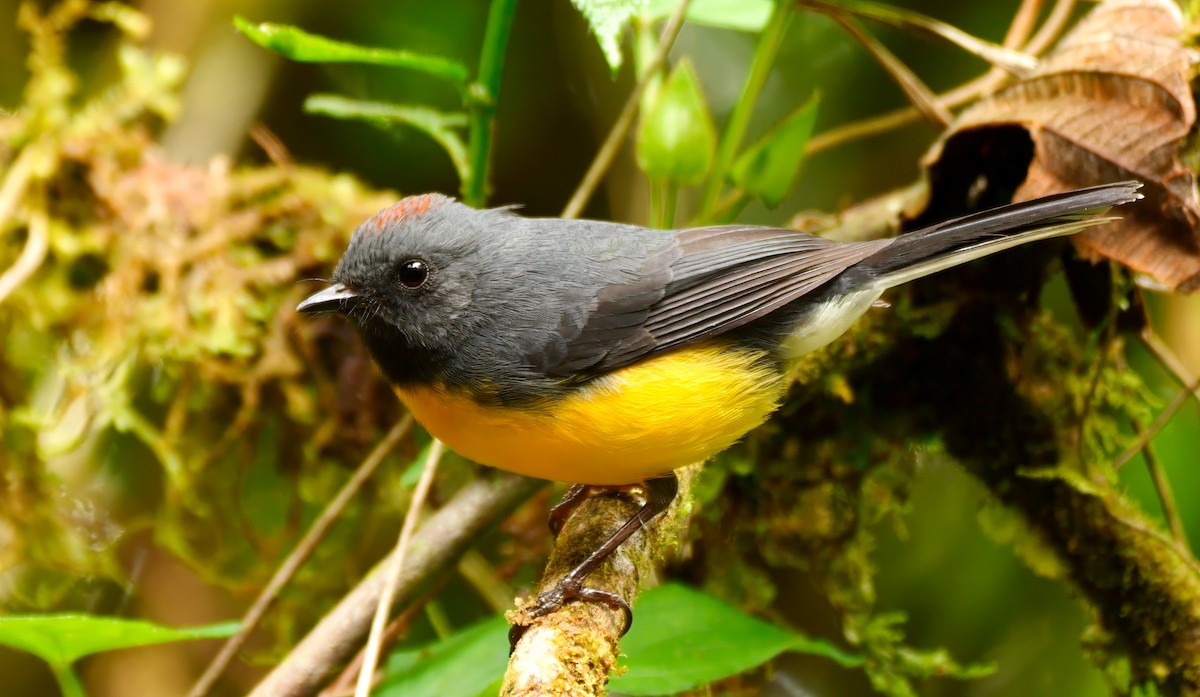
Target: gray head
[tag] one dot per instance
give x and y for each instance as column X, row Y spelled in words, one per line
column 408, row 280
column 481, row 299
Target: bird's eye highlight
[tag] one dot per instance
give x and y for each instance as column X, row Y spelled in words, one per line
column 414, row 273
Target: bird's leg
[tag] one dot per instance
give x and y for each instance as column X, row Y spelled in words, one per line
column 564, row 508
column 659, row 495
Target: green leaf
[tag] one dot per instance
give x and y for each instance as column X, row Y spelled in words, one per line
column 738, row 15
column 682, row 639
column 436, row 124
column 462, row 665
column 412, row 473
column 607, row 19
column 768, row 168
column 264, row 492
column 63, row 639
column 299, row 45
column 676, row 139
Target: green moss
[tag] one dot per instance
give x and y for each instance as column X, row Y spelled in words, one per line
column 1017, row 398
column 157, row 335
column 146, row 351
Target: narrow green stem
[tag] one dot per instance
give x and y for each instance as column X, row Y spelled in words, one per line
column 669, row 200
column 656, row 203
column 645, row 48
column 1162, row 486
column 739, row 119
column 68, row 682
column 438, row 619
column 484, row 93
column 644, row 43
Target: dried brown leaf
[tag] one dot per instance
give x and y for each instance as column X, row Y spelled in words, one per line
column 1112, row 101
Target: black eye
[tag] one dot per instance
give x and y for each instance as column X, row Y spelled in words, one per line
column 413, row 273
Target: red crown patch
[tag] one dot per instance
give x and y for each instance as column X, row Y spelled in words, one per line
column 408, row 208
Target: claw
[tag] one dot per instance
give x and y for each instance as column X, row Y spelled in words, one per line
column 616, row 602
column 659, row 494
column 560, row 595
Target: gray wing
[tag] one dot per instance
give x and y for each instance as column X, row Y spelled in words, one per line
column 707, row 282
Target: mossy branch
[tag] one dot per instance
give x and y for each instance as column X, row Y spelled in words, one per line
column 995, row 386
column 1006, row 430
column 195, row 267
column 572, row 651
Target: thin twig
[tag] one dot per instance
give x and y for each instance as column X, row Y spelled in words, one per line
column 882, row 123
column 1107, row 343
column 1167, row 358
column 270, row 143
column 342, row 684
column 616, row 136
column 1015, row 62
column 1171, row 361
column 1166, row 498
column 1052, row 28
column 437, row 546
column 1162, row 483
column 474, row 567
column 1018, row 31
column 494, row 591
column 1049, row 32
column 299, row 555
column 917, row 91
column 1146, row 436
column 384, row 607
column 1023, row 22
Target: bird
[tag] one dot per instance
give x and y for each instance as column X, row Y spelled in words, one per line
column 608, row 355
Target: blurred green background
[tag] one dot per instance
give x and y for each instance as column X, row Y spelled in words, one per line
column 959, row 588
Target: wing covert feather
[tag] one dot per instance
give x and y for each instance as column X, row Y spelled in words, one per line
column 709, row 281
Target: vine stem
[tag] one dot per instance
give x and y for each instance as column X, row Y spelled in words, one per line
column 482, row 95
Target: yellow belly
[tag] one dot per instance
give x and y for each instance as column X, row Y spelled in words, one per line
column 640, row 421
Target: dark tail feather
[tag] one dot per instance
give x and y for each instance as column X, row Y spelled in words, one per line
column 953, row 242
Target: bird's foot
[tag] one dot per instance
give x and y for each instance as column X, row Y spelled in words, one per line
column 566, row 591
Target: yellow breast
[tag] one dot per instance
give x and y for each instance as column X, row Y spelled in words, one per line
column 640, row 421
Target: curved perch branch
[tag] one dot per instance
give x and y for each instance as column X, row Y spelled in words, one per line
column 572, row 650
column 435, row 548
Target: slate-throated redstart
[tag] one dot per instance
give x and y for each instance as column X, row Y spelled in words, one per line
column 606, row 354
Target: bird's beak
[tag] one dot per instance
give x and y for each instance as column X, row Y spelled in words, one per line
column 331, row 299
